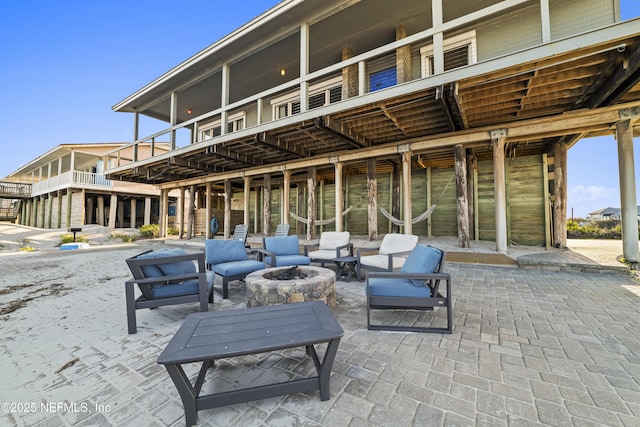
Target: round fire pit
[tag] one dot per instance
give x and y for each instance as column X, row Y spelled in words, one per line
column 282, row 285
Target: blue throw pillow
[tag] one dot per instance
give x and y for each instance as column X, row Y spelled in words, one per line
column 422, row 259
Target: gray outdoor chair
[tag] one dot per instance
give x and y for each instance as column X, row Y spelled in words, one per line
column 282, row 230
column 416, row 287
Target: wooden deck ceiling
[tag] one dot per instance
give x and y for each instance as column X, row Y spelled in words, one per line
column 589, row 78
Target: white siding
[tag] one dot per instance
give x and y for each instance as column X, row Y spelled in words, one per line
column 569, row 17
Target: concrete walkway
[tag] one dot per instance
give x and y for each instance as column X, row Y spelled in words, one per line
column 530, row 347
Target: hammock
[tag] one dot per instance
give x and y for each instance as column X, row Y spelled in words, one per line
column 424, row 215
column 320, row 222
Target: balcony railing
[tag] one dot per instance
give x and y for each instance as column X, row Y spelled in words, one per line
column 71, row 179
column 15, row 189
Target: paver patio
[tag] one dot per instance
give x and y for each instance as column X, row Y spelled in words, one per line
column 529, row 347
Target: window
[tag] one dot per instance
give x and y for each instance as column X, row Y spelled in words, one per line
column 321, row 94
column 235, row 123
column 458, row 52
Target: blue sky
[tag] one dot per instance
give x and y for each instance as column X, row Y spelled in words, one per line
column 66, row 62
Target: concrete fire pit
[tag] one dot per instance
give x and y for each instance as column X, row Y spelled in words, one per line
column 265, row 288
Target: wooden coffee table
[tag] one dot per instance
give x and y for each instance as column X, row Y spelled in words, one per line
column 205, row 337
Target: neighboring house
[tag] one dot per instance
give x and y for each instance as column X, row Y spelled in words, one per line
column 318, row 107
column 608, row 213
column 67, row 187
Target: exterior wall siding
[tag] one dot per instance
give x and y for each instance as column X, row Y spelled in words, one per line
column 569, row 17
column 525, row 200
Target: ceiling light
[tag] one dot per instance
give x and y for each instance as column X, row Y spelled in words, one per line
column 188, row 110
column 283, row 72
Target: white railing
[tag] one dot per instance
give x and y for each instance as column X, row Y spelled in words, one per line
column 71, row 179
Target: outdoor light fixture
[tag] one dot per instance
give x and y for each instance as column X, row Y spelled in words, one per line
column 283, row 72
column 188, row 110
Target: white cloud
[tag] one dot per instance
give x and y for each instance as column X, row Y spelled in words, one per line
column 587, row 193
column 583, row 199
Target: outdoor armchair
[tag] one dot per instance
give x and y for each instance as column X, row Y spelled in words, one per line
column 389, row 256
column 228, row 259
column 332, row 245
column 418, row 286
column 166, row 277
column 282, row 251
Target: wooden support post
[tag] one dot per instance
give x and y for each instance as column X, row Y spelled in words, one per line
column 286, row 193
column 133, row 213
column 372, row 206
column 246, row 218
column 547, row 202
column 120, row 216
column 300, row 209
column 208, row 211
column 266, row 205
column 560, row 193
column 498, row 138
column 164, row 213
column 180, row 213
column 472, row 167
column 311, row 203
column 69, row 206
column 100, row 219
column 406, row 192
column 191, row 212
column 147, row 210
column 227, row 208
column 395, row 196
column 629, row 210
column 462, row 199
column 339, row 196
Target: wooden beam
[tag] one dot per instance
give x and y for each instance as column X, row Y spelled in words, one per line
column 498, row 138
column 266, row 205
column 560, row 195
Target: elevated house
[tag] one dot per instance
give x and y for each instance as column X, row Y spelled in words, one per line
column 437, row 118
column 66, row 187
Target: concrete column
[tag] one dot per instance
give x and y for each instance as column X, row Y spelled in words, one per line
column 498, row 138
column 134, row 206
column 90, row 211
column 69, row 204
column 147, row 210
column 120, row 216
column 43, row 212
column 113, row 209
column 628, row 204
column 164, row 213
column 100, row 219
column 339, row 195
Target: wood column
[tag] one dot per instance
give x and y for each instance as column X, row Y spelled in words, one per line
column 472, row 168
column 406, row 192
column 498, row 138
column 286, row 193
column 191, row 212
column 70, row 206
column 462, row 198
column 207, row 210
column 560, row 195
column 300, row 211
column 395, row 196
column 164, row 213
column 629, row 210
column 372, row 205
column 311, row 202
column 266, row 205
column 181, row 205
column 227, row 208
column 339, row 196
column 90, row 211
column 120, row 216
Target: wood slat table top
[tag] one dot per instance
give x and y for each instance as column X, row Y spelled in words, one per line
column 220, row 334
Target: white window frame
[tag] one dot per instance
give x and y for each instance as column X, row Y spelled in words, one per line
column 464, row 39
column 233, row 119
column 288, row 99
